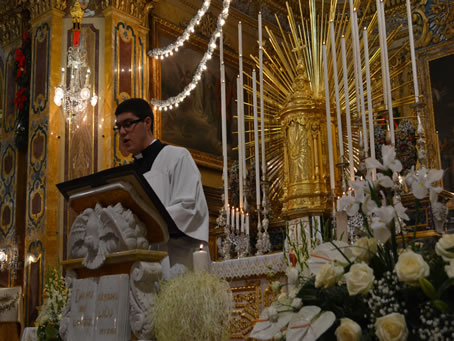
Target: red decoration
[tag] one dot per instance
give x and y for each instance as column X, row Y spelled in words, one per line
column 76, row 38
column 292, row 258
column 20, row 98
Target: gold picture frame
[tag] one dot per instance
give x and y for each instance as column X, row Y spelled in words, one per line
column 433, row 85
column 196, row 123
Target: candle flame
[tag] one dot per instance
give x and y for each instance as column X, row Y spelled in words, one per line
column 201, row 246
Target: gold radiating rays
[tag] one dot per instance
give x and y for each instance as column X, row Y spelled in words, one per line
column 301, row 47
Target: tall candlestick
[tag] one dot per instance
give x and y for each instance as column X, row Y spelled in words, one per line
column 336, row 91
column 240, row 150
column 242, row 222
column 262, row 105
column 382, row 53
column 357, row 55
column 412, row 51
column 387, row 75
column 243, row 138
column 347, row 110
column 227, row 212
column 328, row 119
column 224, row 124
column 256, row 140
column 369, row 96
column 62, row 81
column 247, row 224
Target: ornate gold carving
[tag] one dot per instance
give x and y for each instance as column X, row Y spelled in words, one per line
column 38, row 7
column 303, row 126
column 136, row 8
column 246, row 308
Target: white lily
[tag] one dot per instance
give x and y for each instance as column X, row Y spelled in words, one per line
column 348, row 204
column 384, row 181
column 421, row 183
column 389, row 160
column 381, row 219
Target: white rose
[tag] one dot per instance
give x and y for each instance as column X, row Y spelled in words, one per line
column 364, row 249
column 391, row 327
column 410, row 267
column 444, row 243
column 328, row 275
column 292, row 275
column 271, row 313
column 359, row 279
column 348, row 330
column 450, row 269
column 283, row 299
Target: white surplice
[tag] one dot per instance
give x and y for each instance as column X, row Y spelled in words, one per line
column 176, row 180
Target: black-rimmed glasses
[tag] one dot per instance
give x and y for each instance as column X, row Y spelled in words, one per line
column 127, row 125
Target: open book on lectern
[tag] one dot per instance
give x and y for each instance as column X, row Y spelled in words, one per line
column 123, row 185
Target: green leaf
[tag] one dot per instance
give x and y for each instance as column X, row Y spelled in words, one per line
column 428, row 288
column 441, row 305
column 445, row 286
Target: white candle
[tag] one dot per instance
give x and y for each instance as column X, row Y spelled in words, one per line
column 256, row 140
column 237, row 217
column 240, row 150
column 62, row 81
column 243, row 140
column 369, row 96
column 387, row 79
column 328, row 119
column 262, row 105
column 242, row 222
column 233, row 218
column 247, row 224
column 336, row 90
column 201, row 260
column 382, row 53
column 412, row 51
column 224, row 124
column 360, row 97
column 227, row 212
column 347, row 110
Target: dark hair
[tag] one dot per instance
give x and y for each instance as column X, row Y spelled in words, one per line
column 138, row 107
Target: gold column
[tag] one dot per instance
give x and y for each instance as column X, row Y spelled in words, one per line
column 125, row 53
column 306, row 171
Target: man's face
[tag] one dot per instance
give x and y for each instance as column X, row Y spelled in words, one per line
column 134, row 136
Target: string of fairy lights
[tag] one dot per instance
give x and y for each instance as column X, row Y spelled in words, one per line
column 161, row 53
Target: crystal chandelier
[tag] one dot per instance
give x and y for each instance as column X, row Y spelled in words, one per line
column 9, row 260
column 75, row 98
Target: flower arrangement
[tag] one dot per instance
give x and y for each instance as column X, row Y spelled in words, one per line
column 56, row 296
column 385, row 286
column 193, row 306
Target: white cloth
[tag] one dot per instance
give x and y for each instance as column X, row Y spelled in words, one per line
column 176, row 180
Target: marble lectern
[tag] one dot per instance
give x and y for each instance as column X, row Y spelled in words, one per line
column 118, row 217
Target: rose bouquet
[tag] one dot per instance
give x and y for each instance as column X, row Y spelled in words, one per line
column 384, row 286
column 56, row 296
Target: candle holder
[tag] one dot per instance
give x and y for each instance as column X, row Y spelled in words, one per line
column 265, row 238
column 343, row 166
column 420, row 142
column 259, row 242
column 221, row 222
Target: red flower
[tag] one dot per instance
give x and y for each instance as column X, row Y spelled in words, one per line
column 293, row 259
column 20, row 98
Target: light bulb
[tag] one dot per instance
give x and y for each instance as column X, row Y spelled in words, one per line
column 59, row 92
column 85, row 93
column 94, row 100
column 57, row 101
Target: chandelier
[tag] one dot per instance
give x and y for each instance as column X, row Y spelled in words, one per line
column 9, row 260
column 75, row 98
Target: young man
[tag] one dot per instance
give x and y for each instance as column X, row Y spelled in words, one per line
column 173, row 175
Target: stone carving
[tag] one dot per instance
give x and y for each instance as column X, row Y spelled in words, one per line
column 143, row 287
column 99, row 231
column 64, row 323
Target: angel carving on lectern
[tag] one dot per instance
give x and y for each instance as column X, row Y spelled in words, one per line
column 103, row 230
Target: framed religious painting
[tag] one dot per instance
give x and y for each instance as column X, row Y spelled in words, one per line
column 437, row 73
column 196, row 123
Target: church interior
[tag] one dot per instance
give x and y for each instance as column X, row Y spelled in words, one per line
column 285, row 107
